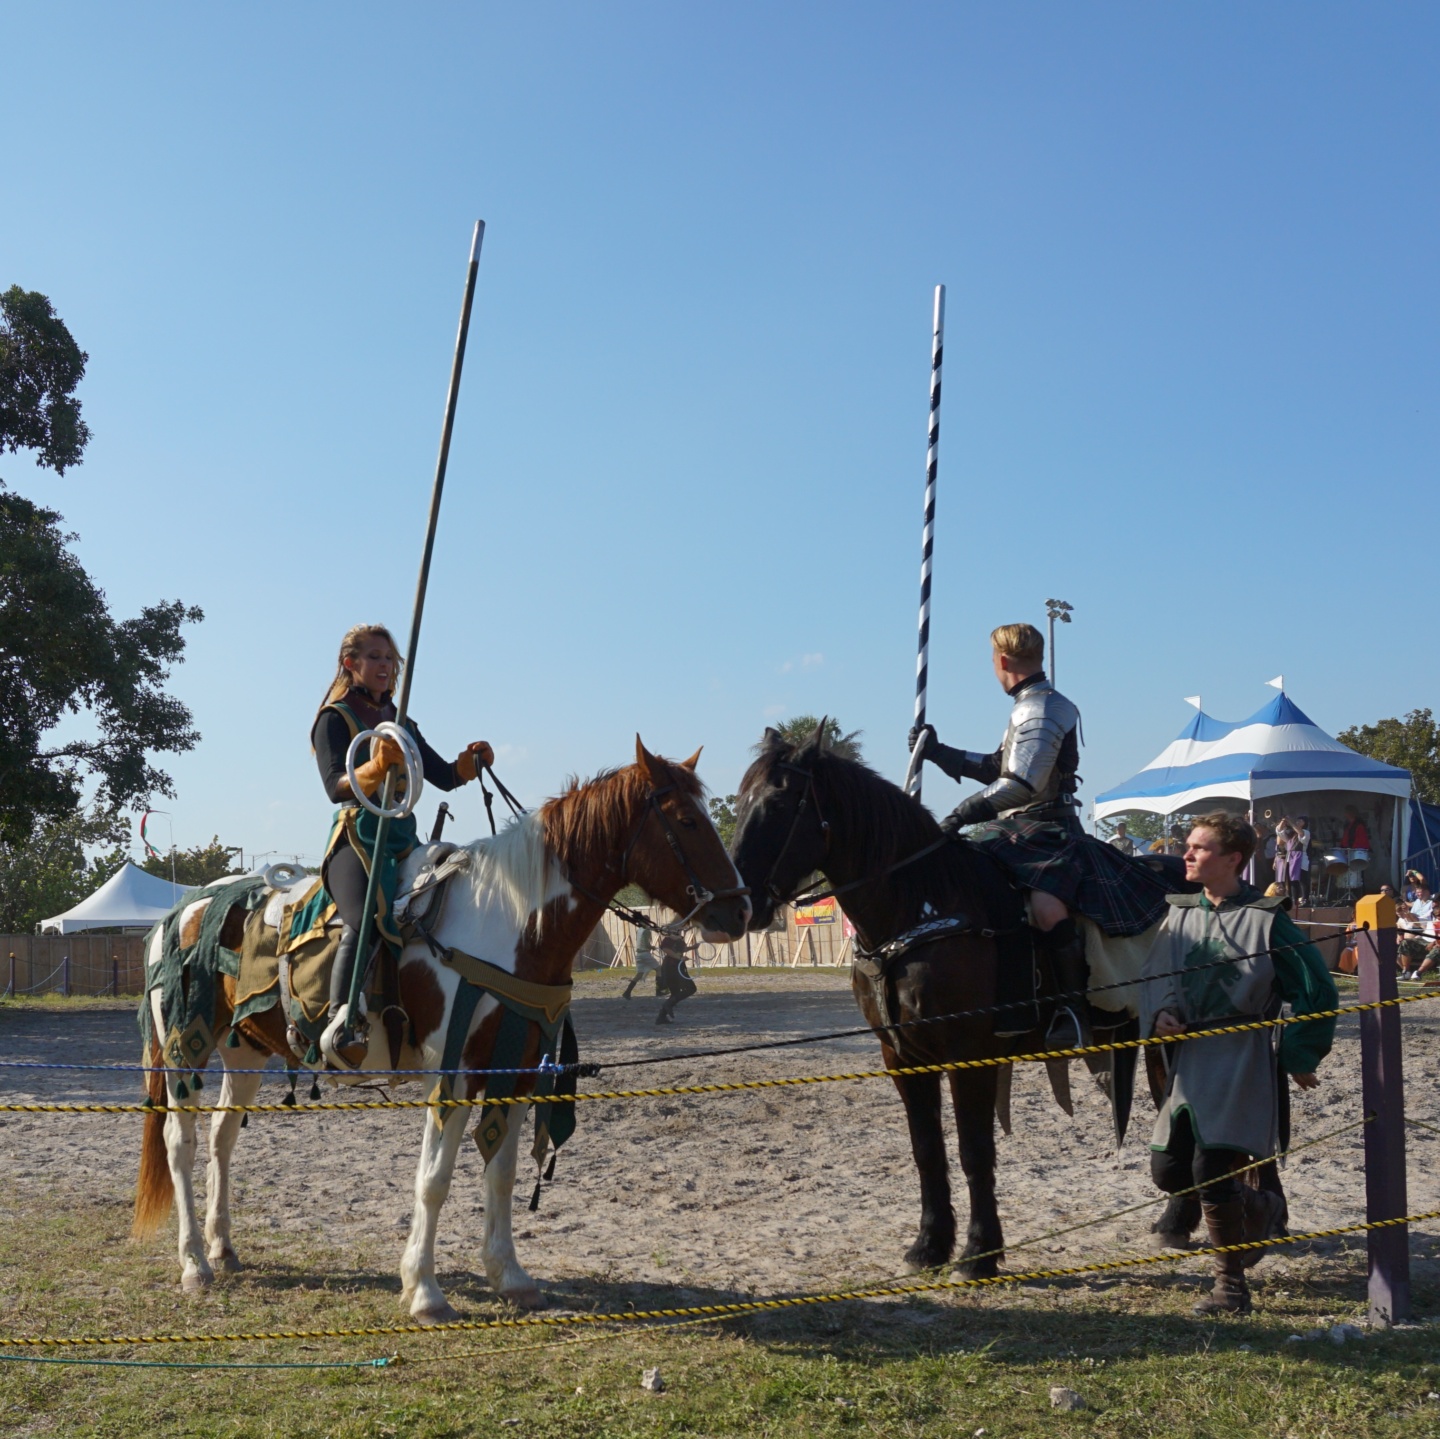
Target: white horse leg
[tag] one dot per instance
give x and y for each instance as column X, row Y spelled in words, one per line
column 501, row 1266
column 195, row 1271
column 224, row 1131
column 432, row 1186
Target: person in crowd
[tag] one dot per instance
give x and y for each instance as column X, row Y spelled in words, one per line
column 1221, row 1104
column 359, row 697
column 1300, row 872
column 675, row 982
column 1121, row 839
column 1416, row 923
column 1353, row 834
column 645, row 963
column 1412, row 878
column 1281, row 864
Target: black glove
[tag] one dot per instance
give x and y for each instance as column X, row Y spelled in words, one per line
column 931, row 738
column 974, row 810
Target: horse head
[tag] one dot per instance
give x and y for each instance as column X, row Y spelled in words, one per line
column 677, row 855
column 781, row 836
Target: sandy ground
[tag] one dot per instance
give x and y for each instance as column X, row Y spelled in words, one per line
column 791, row 1189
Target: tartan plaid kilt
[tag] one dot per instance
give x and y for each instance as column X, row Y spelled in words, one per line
column 1124, row 896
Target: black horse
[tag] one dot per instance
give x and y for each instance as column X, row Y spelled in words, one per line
column 803, row 809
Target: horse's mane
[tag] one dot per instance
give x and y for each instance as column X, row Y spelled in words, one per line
column 588, row 823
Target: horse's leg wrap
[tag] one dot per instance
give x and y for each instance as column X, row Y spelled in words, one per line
column 1070, row 1027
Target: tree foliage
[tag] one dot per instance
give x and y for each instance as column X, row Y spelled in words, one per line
column 1411, row 743
column 722, row 811
column 47, row 873
column 61, row 652
column 802, row 728
column 195, row 866
column 40, row 366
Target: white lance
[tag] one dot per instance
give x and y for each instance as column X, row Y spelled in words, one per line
column 927, row 541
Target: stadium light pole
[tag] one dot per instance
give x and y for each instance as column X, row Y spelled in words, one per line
column 1055, row 610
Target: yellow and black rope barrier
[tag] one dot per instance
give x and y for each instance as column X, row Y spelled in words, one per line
column 696, row 1311
column 731, row 1087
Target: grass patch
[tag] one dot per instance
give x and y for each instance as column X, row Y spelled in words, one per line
column 951, row 1367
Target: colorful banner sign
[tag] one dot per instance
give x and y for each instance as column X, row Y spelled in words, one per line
column 822, row 912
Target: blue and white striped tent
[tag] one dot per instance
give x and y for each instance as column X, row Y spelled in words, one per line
column 1278, row 750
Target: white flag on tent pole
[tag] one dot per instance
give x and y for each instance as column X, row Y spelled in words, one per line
column 1193, row 700
column 1278, row 683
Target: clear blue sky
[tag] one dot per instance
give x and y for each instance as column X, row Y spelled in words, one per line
column 1190, row 387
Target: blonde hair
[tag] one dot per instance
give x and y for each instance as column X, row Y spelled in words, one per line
column 350, row 647
column 1019, row 642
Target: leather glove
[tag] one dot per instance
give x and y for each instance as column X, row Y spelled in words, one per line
column 974, row 810
column 931, row 738
column 472, row 759
column 384, row 753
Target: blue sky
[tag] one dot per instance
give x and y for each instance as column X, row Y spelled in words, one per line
column 1191, row 366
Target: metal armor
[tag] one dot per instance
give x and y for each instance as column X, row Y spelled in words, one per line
column 1033, row 773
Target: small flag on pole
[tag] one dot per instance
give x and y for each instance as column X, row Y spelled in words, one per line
column 1193, row 700
column 150, row 851
column 1278, row 683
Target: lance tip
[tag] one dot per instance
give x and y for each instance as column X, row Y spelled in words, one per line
column 475, row 240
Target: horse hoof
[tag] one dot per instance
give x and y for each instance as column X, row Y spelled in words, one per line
column 926, row 1255
column 441, row 1313
column 196, row 1283
column 526, row 1298
column 228, row 1262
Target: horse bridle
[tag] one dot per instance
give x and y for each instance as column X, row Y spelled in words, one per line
column 810, row 795
column 695, row 887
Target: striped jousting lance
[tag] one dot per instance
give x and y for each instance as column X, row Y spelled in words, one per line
column 927, row 543
column 402, row 704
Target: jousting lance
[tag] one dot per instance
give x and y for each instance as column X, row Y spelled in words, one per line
column 927, row 537
column 387, row 809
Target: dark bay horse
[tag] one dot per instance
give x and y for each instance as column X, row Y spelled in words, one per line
column 803, row 809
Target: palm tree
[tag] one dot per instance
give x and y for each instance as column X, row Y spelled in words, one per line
column 802, row 728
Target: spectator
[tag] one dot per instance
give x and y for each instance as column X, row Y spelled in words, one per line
column 1121, row 839
column 1416, row 923
column 1353, row 834
column 1283, row 836
column 1302, row 845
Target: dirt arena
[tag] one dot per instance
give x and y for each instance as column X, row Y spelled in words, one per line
column 756, row 1192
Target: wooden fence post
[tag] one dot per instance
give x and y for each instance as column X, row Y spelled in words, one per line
column 10, row 988
column 1383, row 1089
column 115, row 975
column 65, row 976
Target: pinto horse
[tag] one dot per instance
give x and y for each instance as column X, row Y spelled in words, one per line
column 803, row 809
column 526, row 902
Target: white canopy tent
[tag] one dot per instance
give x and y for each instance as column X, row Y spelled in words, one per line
column 129, row 899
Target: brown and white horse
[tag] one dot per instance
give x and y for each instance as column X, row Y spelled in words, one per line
column 526, row 903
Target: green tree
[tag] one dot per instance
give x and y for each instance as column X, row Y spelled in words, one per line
column 195, row 866
column 722, row 811
column 48, row 872
column 61, row 651
column 802, row 728
column 40, row 366
column 1412, row 743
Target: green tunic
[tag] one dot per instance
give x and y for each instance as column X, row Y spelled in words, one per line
column 1229, row 1082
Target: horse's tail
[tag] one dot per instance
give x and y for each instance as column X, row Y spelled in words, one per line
column 154, row 1189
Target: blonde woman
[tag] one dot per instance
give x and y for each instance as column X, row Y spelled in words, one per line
column 360, row 697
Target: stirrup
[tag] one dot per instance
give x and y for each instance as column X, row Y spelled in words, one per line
column 340, row 1042
column 1068, row 1030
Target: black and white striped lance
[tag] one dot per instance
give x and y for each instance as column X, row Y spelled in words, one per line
column 927, row 544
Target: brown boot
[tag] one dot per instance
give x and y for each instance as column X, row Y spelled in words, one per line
column 1225, row 1224
column 1264, row 1219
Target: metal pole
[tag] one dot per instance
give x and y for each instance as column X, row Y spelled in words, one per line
column 65, row 977
column 10, row 988
column 402, row 706
column 1383, row 1095
column 927, row 536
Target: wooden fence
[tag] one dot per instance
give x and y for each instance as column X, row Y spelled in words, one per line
column 613, row 943
column 72, row 963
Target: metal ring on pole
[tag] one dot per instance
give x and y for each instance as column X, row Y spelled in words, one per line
column 414, row 769
column 283, row 874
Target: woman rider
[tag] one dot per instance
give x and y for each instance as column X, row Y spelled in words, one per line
column 358, row 699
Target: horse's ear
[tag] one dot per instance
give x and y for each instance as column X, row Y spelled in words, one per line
column 692, row 761
column 818, row 738
column 647, row 761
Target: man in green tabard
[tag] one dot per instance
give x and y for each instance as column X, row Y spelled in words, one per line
column 1222, row 1094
